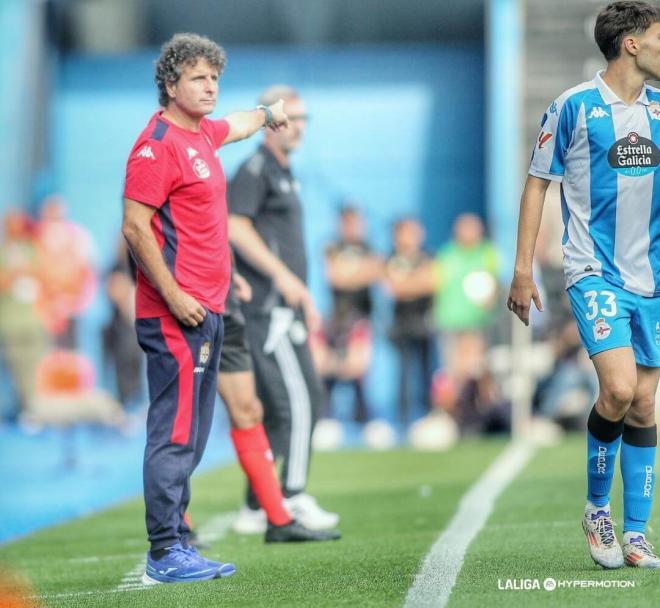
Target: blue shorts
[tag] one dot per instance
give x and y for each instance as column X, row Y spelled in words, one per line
column 610, row 317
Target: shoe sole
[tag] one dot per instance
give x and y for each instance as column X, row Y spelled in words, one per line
column 149, row 581
column 310, row 525
column 226, row 570
column 301, row 540
column 630, row 564
column 606, row 566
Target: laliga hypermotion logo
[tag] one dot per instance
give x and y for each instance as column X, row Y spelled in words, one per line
column 544, row 138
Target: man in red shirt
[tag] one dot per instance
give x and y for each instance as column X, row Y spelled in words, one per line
column 175, row 222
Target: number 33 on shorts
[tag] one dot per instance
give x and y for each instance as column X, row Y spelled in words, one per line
column 610, row 317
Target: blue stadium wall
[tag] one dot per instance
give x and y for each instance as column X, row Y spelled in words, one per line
column 398, row 129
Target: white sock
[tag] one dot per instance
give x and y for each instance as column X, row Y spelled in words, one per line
column 592, row 508
column 632, row 534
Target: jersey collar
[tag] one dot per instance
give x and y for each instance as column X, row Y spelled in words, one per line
column 609, row 97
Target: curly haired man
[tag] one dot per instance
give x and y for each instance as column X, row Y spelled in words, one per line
column 175, row 223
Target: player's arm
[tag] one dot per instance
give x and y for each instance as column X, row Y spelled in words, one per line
column 523, row 289
column 343, row 274
column 241, row 286
column 244, row 237
column 136, row 228
column 245, row 124
column 411, row 285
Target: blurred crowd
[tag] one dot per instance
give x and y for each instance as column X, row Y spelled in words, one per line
column 48, row 280
column 445, row 324
column 451, row 336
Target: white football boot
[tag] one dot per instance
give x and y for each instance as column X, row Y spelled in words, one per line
column 599, row 529
column 250, row 521
column 307, row 511
column 638, row 552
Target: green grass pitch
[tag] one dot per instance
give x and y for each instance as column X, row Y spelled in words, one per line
column 393, row 507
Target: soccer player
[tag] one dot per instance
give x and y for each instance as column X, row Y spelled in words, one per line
column 236, row 385
column 265, row 228
column 600, row 140
column 175, row 223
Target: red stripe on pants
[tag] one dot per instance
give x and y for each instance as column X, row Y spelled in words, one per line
column 178, row 346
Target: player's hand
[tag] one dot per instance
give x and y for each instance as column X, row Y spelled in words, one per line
column 280, row 119
column 312, row 315
column 185, row 308
column 293, row 290
column 523, row 291
column 242, row 287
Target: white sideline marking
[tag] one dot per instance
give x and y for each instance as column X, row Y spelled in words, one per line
column 92, row 559
column 436, row 578
column 211, row 531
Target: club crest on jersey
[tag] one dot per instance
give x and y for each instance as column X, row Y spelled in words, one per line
column 634, row 155
column 201, row 169
column 597, row 112
column 654, row 110
column 204, row 353
column 601, row 329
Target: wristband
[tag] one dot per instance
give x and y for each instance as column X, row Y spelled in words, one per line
column 269, row 114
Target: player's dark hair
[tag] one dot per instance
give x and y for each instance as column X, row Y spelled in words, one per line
column 185, row 50
column 620, row 19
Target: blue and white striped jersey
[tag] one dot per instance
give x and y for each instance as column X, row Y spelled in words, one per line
column 606, row 155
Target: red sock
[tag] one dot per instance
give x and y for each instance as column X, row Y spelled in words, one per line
column 256, row 458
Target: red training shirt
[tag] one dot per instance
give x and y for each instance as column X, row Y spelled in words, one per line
column 177, row 172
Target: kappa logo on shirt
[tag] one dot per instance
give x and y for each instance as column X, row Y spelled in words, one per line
column 201, row 169
column 146, row 152
column 191, row 153
column 597, row 112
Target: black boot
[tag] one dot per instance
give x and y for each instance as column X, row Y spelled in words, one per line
column 295, row 532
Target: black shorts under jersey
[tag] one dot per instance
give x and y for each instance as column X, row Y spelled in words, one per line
column 235, row 356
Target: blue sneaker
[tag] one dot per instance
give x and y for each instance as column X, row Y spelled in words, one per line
column 222, row 569
column 177, row 566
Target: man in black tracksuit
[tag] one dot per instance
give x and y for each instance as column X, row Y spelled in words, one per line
column 266, row 231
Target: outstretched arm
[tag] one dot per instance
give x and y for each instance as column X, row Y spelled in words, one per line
column 244, row 124
column 523, row 289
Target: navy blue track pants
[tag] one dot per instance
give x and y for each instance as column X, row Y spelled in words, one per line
column 182, row 371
